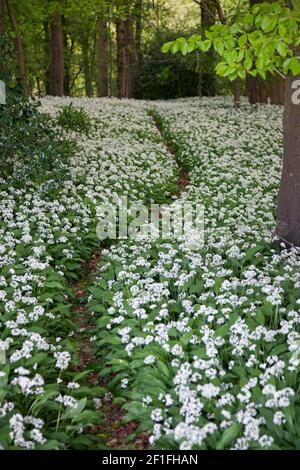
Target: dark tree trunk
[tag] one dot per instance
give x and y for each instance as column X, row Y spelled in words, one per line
column 122, row 27
column 47, row 50
column 67, row 60
column 87, row 68
column 102, row 59
column 22, row 68
column 136, row 44
column 277, row 90
column 1, row 16
column 256, row 90
column 237, row 93
column 288, row 216
column 256, row 87
column 1, row 32
column 206, row 77
column 57, row 56
column 132, row 59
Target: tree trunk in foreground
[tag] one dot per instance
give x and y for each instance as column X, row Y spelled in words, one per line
column 102, row 59
column 22, row 72
column 56, row 86
column 288, row 216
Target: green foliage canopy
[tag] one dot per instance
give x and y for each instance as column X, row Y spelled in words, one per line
column 263, row 40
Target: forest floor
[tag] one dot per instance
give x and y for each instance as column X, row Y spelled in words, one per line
column 154, row 340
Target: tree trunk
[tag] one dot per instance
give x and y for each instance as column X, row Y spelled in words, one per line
column 87, row 68
column 137, row 36
column 256, row 87
column 102, row 59
column 288, row 215
column 237, row 93
column 122, row 58
column 206, row 77
column 47, row 52
column 277, row 90
column 67, row 59
column 22, row 72
column 1, row 16
column 132, row 59
column 56, row 87
column 1, row 32
column 256, row 90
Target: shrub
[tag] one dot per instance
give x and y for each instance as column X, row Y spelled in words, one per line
column 74, row 119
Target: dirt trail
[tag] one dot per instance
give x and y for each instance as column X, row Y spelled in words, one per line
column 112, row 431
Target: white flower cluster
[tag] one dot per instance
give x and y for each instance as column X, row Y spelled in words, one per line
column 45, row 233
column 214, row 332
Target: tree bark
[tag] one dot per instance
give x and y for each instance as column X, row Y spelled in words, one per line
column 102, row 59
column 122, row 27
column 22, row 72
column 277, row 90
column 207, row 78
column 237, row 93
column 1, row 16
column 1, row 32
column 87, row 68
column 256, row 90
column 288, row 215
column 56, row 87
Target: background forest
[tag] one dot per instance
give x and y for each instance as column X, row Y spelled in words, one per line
column 113, row 48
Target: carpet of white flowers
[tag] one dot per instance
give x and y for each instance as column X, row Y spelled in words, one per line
column 204, row 345
column 201, row 347
column 46, row 231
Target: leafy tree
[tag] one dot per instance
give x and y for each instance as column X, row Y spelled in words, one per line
column 264, row 40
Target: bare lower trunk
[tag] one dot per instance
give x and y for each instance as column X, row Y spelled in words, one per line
column 56, row 86
column 277, row 90
column 122, row 58
column 1, row 32
column 237, row 93
column 256, row 90
column 1, row 16
column 22, row 72
column 102, row 59
column 288, row 216
column 88, row 82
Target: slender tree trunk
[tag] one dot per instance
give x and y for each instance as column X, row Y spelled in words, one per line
column 67, row 59
column 102, row 58
column 1, row 16
column 1, row 32
column 86, row 67
column 288, row 215
column 237, row 93
column 256, row 90
column 277, row 90
column 57, row 56
column 110, row 55
column 47, row 52
column 207, row 77
column 132, row 58
column 137, row 36
column 22, row 72
column 122, row 58
column 256, row 87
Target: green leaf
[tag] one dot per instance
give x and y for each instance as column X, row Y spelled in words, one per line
column 228, row 435
column 260, row 317
column 294, row 66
